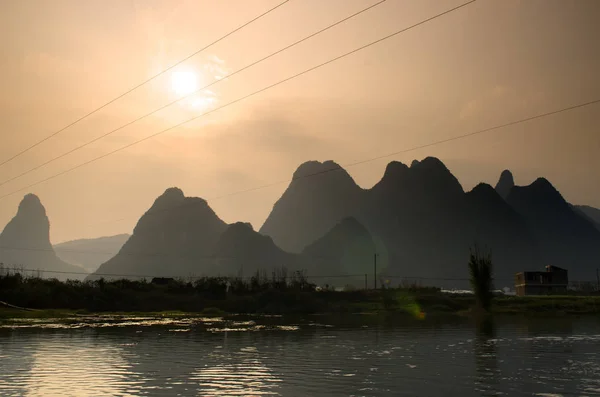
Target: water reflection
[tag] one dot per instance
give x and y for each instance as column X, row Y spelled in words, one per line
column 62, row 364
column 239, row 374
column 486, row 360
column 312, row 357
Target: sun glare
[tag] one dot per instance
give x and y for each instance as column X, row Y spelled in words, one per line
column 184, row 82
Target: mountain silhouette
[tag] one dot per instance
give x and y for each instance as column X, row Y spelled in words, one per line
column 319, row 196
column 90, row 253
column 505, row 184
column 25, row 243
column 498, row 226
column 174, row 237
column 182, row 236
column 566, row 239
column 591, row 213
column 241, row 251
column 346, row 249
column 423, row 223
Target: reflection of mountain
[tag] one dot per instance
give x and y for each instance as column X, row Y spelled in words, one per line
column 25, row 242
column 90, row 253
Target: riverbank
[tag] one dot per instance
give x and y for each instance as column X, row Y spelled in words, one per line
column 401, row 302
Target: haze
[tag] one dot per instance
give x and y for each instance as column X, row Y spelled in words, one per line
column 490, row 63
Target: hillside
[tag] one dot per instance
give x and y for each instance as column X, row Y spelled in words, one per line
column 25, row 243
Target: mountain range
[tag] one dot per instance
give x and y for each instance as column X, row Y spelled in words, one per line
column 183, row 236
column 418, row 220
column 90, row 253
column 424, row 223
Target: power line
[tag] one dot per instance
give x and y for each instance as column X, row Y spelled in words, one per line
column 143, row 83
column 348, row 165
column 8, row 268
column 192, row 93
column 414, row 148
column 245, row 97
column 19, row 269
column 152, row 254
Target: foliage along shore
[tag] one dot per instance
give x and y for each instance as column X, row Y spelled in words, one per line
column 43, row 298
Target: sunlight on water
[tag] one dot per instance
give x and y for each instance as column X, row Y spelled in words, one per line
column 267, row 356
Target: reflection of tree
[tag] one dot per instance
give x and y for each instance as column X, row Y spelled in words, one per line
column 486, row 356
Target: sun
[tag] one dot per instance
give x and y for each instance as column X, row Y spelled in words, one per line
column 184, row 82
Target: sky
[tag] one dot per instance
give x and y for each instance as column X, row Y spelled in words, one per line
column 490, row 63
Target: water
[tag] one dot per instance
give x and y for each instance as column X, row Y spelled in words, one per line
column 318, row 356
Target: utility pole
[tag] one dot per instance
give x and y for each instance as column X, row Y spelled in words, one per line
column 598, row 279
column 375, row 270
column 366, row 286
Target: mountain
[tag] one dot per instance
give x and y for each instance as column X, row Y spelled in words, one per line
column 25, row 242
column 566, row 239
column 498, row 226
column 417, row 219
column 90, row 253
column 242, row 251
column 346, row 249
column 319, row 196
column 181, row 236
column 175, row 237
column 418, row 213
column 591, row 213
column 505, row 184
column 423, row 223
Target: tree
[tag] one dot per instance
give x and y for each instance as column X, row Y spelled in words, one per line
column 480, row 271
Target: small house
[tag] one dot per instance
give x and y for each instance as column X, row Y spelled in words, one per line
column 162, row 280
column 553, row 281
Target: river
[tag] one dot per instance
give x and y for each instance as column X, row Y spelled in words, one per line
column 317, row 356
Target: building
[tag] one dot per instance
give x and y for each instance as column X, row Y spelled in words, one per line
column 553, row 281
column 162, row 280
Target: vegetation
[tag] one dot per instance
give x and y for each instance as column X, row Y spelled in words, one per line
column 217, row 296
column 480, row 272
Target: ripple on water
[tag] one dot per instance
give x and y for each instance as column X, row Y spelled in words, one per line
column 191, row 356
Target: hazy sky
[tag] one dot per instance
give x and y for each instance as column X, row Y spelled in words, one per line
column 492, row 62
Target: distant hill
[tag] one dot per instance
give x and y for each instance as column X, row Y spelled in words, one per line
column 590, row 213
column 25, row 242
column 90, row 253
